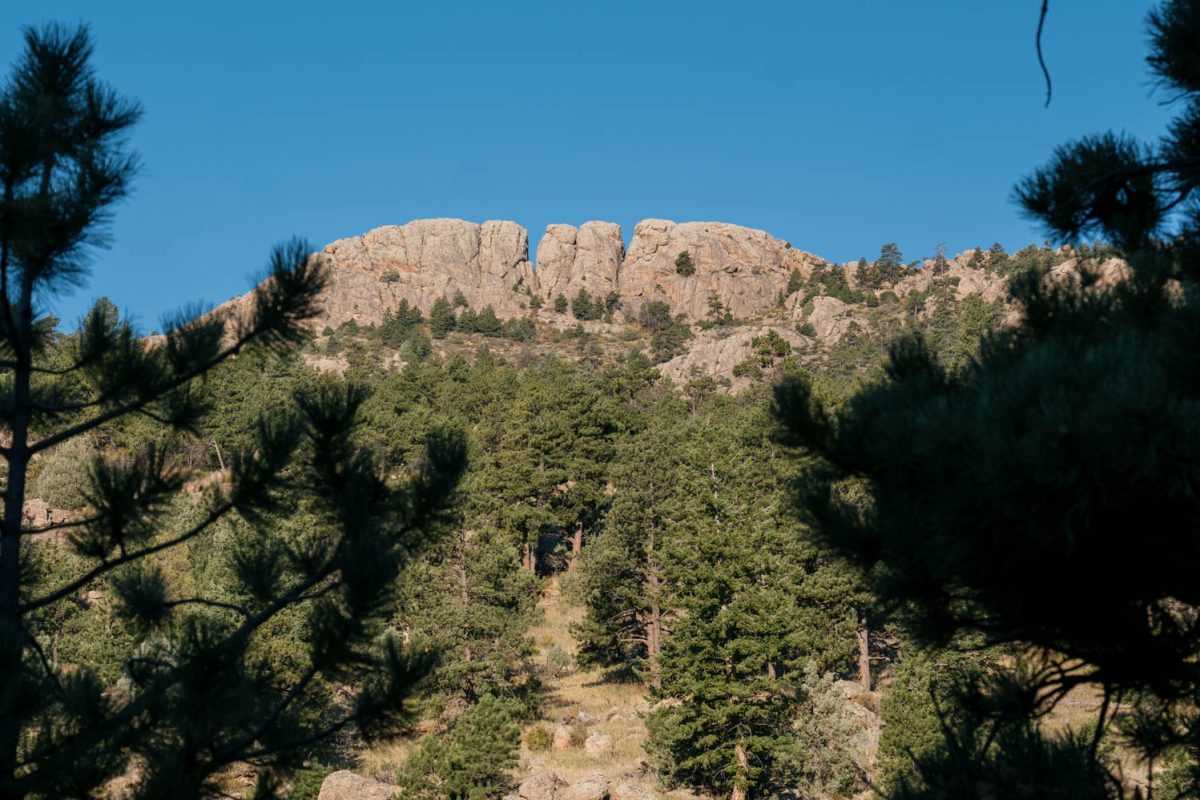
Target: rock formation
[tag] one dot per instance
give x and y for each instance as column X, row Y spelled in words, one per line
column 716, row 352
column 424, row 260
column 588, row 257
column 745, row 269
column 345, row 785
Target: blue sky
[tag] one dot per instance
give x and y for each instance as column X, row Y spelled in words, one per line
column 835, row 125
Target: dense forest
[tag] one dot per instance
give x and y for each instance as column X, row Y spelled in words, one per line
column 946, row 551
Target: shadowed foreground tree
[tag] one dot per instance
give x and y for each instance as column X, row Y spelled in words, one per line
column 1044, row 495
column 193, row 698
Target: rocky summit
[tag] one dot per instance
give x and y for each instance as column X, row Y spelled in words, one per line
column 745, row 269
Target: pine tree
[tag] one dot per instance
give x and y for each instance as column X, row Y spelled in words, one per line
column 471, row 762
column 749, row 614
column 469, row 603
column 621, row 582
column 441, row 318
column 1041, row 496
column 195, row 698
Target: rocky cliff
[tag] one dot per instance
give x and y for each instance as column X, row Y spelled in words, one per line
column 744, row 269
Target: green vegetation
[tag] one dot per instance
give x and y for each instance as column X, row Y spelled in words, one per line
column 236, row 666
column 1025, row 492
column 946, row 518
column 684, row 264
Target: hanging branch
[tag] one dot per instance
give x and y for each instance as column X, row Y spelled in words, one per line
column 1042, row 58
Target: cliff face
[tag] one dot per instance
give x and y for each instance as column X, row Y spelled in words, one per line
column 744, row 269
column 424, row 260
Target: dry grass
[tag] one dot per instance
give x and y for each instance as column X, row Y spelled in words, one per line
column 616, row 708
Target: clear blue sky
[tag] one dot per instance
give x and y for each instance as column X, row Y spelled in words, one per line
column 835, row 125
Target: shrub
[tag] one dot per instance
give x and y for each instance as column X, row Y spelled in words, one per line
column 795, row 282
column 560, row 304
column 473, row 760
column 558, row 661
column 306, row 783
column 389, row 276
column 747, row 369
column 585, row 308
column 64, row 476
column 538, row 738
column 579, row 734
column 684, row 264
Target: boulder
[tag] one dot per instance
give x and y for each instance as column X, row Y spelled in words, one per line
column 830, row 318
column 627, row 790
column 541, row 786
column 598, row 744
column 345, row 785
column 562, row 737
column 590, row 787
column 717, row 351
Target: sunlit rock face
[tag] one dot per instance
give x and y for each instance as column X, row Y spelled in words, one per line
column 744, row 269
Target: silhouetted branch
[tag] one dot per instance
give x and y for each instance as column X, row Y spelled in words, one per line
column 1042, row 58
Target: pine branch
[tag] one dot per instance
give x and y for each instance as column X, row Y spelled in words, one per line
column 138, row 405
column 231, row 752
column 108, row 566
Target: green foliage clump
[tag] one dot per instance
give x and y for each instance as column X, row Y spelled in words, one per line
column 398, row 325
column 684, row 264
column 830, row 750
column 306, row 782
column 560, row 304
column 1037, row 488
column 389, row 276
column 667, row 334
column 923, row 686
column 471, row 762
column 584, row 307
column 441, row 318
column 538, row 738
column 64, row 474
column 830, row 280
column 795, row 282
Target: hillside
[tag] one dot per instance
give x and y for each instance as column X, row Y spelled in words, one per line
column 700, row 299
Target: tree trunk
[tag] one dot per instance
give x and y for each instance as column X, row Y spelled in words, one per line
column 864, row 652
column 529, row 555
column 576, row 545
column 654, row 622
column 11, row 634
column 739, row 791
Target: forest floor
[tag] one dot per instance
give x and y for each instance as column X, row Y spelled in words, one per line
column 584, row 699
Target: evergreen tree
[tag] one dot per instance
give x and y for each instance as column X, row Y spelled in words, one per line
column 1041, row 496
column 472, row 762
column 750, row 613
column 487, row 323
column 196, row 697
column 469, row 604
column 441, row 318
column 560, row 304
column 583, row 307
column 621, row 582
